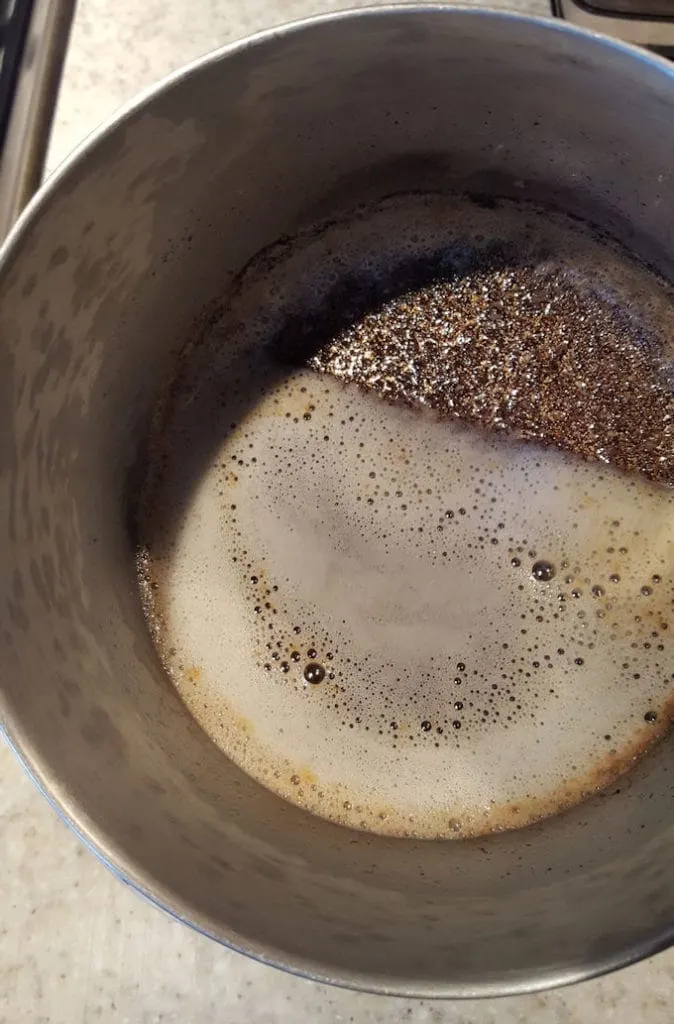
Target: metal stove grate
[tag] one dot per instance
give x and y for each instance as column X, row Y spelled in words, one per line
column 648, row 23
column 33, row 43
column 14, row 23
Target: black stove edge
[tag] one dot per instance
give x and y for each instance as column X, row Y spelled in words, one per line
column 14, row 31
column 661, row 51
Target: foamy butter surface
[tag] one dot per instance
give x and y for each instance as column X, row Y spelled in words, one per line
column 400, row 623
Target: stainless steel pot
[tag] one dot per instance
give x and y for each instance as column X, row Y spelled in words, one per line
column 101, row 282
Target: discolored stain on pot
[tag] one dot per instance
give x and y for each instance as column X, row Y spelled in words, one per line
column 58, row 257
column 266, row 868
column 101, row 733
column 18, row 615
column 222, row 863
column 29, row 286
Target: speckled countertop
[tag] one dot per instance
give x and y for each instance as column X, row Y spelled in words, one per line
column 77, row 946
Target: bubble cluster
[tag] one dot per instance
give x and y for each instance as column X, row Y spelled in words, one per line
column 402, row 624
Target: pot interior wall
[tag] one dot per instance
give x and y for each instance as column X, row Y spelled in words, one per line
column 126, row 257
